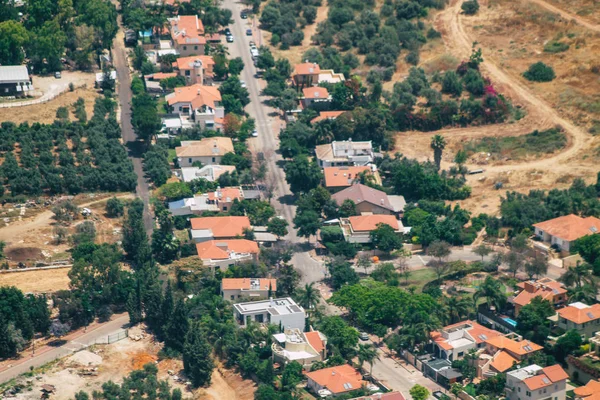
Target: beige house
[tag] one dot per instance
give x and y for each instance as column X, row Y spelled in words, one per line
column 581, row 317
column 222, row 254
column 306, row 74
column 187, row 34
column 454, row 341
column 314, row 95
column 369, row 200
column 207, row 151
column 305, row 348
column 200, row 103
column 357, row 229
column 563, row 231
column 503, row 352
column 195, row 69
column 247, row 288
column 537, row 383
column 347, row 152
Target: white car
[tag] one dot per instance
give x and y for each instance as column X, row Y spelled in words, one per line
column 243, row 83
column 255, row 133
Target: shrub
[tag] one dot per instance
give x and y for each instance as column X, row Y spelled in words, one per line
column 539, row 72
column 470, row 7
column 554, row 46
column 62, row 113
column 433, row 34
column 412, row 58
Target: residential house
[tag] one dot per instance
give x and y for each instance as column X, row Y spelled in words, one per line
column 15, row 81
column 454, row 341
column 370, row 201
column 251, row 288
column 220, row 200
column 338, row 178
column 306, row 74
column 335, row 381
column 330, row 76
column 207, row 151
column 305, row 348
column 581, row 317
column 187, row 34
column 283, row 312
column 325, row 116
column 563, row 231
column 211, row 228
column 503, row 352
column 347, row 152
column 195, row 69
column 153, row 80
column 382, row 396
column 222, row 254
column 536, row 383
column 590, row 391
column 441, row 372
column 546, row 288
column 210, row 172
column 357, row 229
column 200, row 103
column 315, row 96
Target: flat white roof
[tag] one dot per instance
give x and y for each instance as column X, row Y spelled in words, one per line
column 524, row 373
column 283, row 306
column 579, row 305
column 460, row 342
column 13, row 73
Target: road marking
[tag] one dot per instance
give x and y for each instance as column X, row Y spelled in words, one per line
column 420, row 258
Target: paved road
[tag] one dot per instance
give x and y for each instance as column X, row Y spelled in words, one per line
column 268, row 124
column 129, row 137
column 47, row 354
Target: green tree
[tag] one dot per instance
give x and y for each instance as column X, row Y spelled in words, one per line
column 347, row 209
column 277, row 226
column 482, row 250
column 115, row 207
column 438, row 144
column 567, row 344
column 419, row 392
column 491, row 290
column 341, row 272
column 197, row 356
column 302, row 175
column 308, row 297
column 307, row 223
column 265, row 59
column 13, row 37
column 532, row 321
column 539, row 72
column 340, row 336
column 177, row 326
column 470, row 7
column 144, row 117
column 536, row 266
column 367, row 353
column 514, row 261
column 451, row 84
column 385, row 238
column 288, row 100
column 458, row 308
column 134, row 233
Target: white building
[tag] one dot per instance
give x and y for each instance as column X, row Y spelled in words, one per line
column 303, row 347
column 454, row 341
column 284, row 312
column 344, row 152
column 252, row 288
column 15, row 81
column 536, row 383
column 207, row 151
column 209, row 172
column 200, row 103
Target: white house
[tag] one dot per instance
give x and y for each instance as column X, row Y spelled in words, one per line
column 454, row 341
column 187, row 34
column 15, row 81
column 563, row 231
column 284, row 312
column 347, row 152
column 302, row 347
column 253, row 288
column 207, row 151
column 536, row 383
column 198, row 102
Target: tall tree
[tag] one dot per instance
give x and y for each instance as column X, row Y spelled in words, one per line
column 177, row 326
column 308, row 296
column 197, row 356
column 438, row 144
column 491, row 290
column 367, row 353
column 13, row 37
column 385, row 238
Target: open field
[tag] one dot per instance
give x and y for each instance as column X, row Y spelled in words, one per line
column 44, row 281
column 584, row 10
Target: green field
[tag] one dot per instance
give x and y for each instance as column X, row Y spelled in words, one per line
column 516, row 147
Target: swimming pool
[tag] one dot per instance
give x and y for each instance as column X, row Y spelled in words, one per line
column 510, row 321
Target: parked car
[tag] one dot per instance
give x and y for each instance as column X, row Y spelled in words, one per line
column 254, row 52
column 252, row 44
column 363, row 336
column 244, row 15
column 248, row 32
column 229, row 38
column 242, row 83
column 57, row 75
column 227, row 32
column 255, row 133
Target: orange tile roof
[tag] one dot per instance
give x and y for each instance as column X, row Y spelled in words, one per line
column 307, row 68
column 226, row 194
column 580, row 315
column 187, row 63
column 503, row 361
column 592, row 387
column 162, row 75
column 342, row 176
column 479, row 333
column 314, row 339
column 207, row 147
column 570, row 227
column 364, row 223
column 222, row 249
column 521, row 348
column 222, row 227
column 315, row 92
column 244, row 283
column 546, row 377
column 546, row 288
column 197, row 95
column 187, row 29
column 323, row 115
column 335, row 378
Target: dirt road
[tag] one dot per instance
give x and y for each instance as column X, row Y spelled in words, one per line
column 459, row 43
column 11, row 232
column 567, row 15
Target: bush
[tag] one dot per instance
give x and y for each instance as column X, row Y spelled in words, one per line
column 554, row 46
column 470, row 7
column 539, row 72
column 62, row 113
column 412, row 58
column 433, row 34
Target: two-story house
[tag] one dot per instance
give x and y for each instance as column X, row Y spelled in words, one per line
column 198, row 102
column 206, row 151
column 590, row 391
column 218, row 228
column 503, row 352
column 251, row 288
column 581, row 317
column 338, row 178
column 563, row 231
column 305, row 348
column 283, row 312
column 222, row 254
column 546, row 288
column 454, row 341
column 335, row 381
column 306, row 74
column 357, row 229
column 537, row 383
column 195, row 69
column 220, row 200
column 347, row 152
column 187, row 34
column 315, row 96
column 370, row 201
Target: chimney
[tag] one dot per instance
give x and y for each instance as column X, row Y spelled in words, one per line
column 198, row 92
column 215, row 144
column 530, row 287
column 314, row 65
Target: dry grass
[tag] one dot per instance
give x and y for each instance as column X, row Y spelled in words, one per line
column 50, row 280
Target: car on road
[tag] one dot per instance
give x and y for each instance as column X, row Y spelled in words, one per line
column 244, row 15
column 242, row 83
column 57, row 75
column 248, row 32
column 363, row 336
column 229, row 38
column 254, row 52
column 252, row 44
column 255, row 133
column 227, row 31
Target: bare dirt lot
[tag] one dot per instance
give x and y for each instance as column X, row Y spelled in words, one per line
column 44, row 281
column 118, row 360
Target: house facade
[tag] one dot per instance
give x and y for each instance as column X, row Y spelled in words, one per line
column 187, row 34
column 283, row 312
column 358, row 229
column 200, row 103
column 315, row 96
column 563, row 231
column 335, row 380
column 195, row 69
column 224, row 227
column 546, row 288
column 15, row 81
column 536, row 383
column 207, row 151
column 222, row 254
column 233, row 289
column 306, row 74
column 454, row 341
column 369, row 200
column 581, row 317
column 347, row 152
column 305, row 348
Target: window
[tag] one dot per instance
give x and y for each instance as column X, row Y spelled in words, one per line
column 461, row 354
column 187, row 72
column 185, row 47
column 519, row 389
column 544, row 390
column 232, row 297
column 190, row 160
column 214, row 159
column 195, row 47
column 528, row 393
column 224, row 208
column 180, row 108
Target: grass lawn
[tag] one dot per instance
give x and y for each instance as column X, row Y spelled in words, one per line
column 172, row 155
column 516, row 147
column 420, row 277
column 160, row 105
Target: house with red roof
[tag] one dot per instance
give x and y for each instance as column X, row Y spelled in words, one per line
column 219, row 228
column 306, row 74
column 248, row 288
column 303, row 347
column 335, row 380
column 382, row 396
column 222, row 254
column 563, row 231
column 339, row 178
column 537, row 383
column 590, row 391
column 546, row 288
column 454, row 341
column 581, row 317
column 187, row 34
column 314, row 95
column 200, row 103
column 503, row 352
column 195, row 69
column 357, row 229
column 326, row 116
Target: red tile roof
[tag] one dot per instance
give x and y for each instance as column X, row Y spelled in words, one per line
column 580, row 315
column 478, row 332
column 340, row 379
column 364, row 223
column 222, row 227
column 503, row 361
column 592, row 387
column 342, row 176
column 315, row 92
column 570, row 227
column 307, row 69
column 187, row 63
column 546, row 377
column 187, row 29
column 323, row 115
column 222, row 249
column 519, row 348
column 244, row 283
column 314, row 339
column 197, row 95
column 359, row 193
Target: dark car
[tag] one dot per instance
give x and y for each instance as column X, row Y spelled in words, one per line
column 243, row 15
column 227, row 31
column 248, row 32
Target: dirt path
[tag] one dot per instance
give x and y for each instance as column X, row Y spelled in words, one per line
column 458, row 41
column 10, row 232
column 567, row 15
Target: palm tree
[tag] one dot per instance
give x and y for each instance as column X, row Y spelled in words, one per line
column 586, row 293
column 308, row 296
column 438, row 144
column 458, row 308
column 367, row 352
column 578, row 276
column 491, row 289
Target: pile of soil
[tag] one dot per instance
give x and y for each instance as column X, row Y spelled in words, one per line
column 139, row 359
column 20, row 254
column 85, row 358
